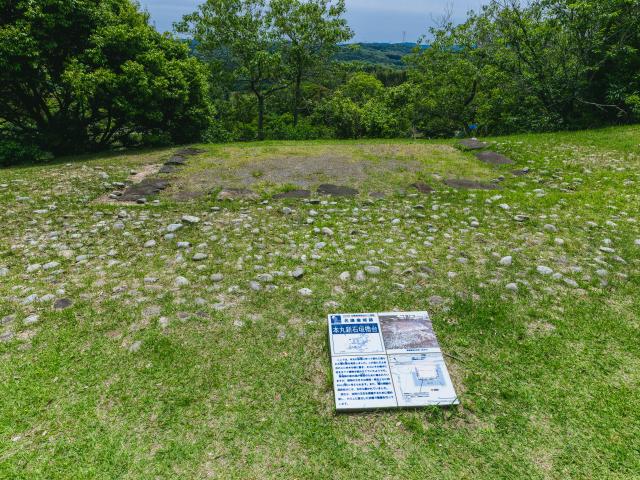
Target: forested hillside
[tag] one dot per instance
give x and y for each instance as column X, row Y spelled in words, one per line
column 82, row 76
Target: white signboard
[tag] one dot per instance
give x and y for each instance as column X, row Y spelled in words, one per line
column 387, row 360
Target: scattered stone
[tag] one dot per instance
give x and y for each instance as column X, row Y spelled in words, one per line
column 544, row 270
column 265, row 278
column 436, row 300
column 305, row 292
column 506, row 261
column 135, row 346
column 216, row 277
column 327, row 231
column 62, row 303
column 337, row 190
column 149, row 244
column 493, row 158
column 520, row 173
column 293, row 194
column 31, row 319
column 521, row 218
column 146, row 188
column 181, row 282
column 297, row 273
column 4, row 271
column 7, row 319
column 174, row 227
column 550, row 228
column 6, row 337
column 372, row 270
column 200, row 256
column 190, row 219
column 570, row 282
column 637, row 242
column 345, row 276
column 512, row 287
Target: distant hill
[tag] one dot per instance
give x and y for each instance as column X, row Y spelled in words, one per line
column 387, row 54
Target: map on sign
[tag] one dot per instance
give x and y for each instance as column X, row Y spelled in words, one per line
column 387, row 360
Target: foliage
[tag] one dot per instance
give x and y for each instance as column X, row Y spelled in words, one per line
column 87, row 74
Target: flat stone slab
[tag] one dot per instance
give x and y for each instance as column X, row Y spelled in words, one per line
column 337, row 190
column 463, row 183
column 176, row 160
column 167, row 169
column 190, row 151
column 473, row 144
column 493, row 158
column 422, row 187
column 148, row 186
column 293, row 194
column 236, row 194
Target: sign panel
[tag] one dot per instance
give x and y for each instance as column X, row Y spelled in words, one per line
column 387, row 360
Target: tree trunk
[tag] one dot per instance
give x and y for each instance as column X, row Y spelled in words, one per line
column 297, row 96
column 260, row 117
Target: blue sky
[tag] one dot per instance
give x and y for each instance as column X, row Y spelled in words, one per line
column 372, row 20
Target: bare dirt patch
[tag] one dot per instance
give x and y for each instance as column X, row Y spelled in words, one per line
column 463, row 183
column 138, row 181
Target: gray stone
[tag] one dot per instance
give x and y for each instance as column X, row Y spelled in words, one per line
column 216, row 277
column 62, row 303
column 544, row 270
column 297, row 273
column 4, row 271
column 305, row 292
column 149, row 244
column 31, row 319
column 135, row 346
column 506, row 261
column 345, row 276
column 512, row 287
column 174, row 227
column 200, row 256
column 265, row 277
column 6, row 337
column 372, row 270
column 181, row 282
column 190, row 219
column 436, row 300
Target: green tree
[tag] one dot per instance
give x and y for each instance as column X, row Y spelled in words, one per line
column 238, row 36
column 79, row 75
column 310, row 32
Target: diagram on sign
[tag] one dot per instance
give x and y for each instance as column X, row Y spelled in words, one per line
column 387, row 360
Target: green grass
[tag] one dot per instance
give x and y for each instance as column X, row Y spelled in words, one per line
column 548, row 376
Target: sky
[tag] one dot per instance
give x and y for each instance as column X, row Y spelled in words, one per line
column 371, row 20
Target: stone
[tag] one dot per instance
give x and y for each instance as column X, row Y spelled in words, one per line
column 436, row 300
column 297, row 273
column 506, row 261
column 512, row 287
column 7, row 319
column 572, row 283
column 176, row 160
column 360, row 276
column 305, row 292
column 637, row 242
column 149, row 244
column 265, row 278
column 337, row 190
column 174, row 227
column 550, row 228
column 345, row 276
column 372, row 270
column 146, row 188
column 216, row 277
column 544, row 270
column 190, row 219
column 62, row 303
column 200, row 256
column 253, row 285
column 292, row 194
column 181, row 282
column 521, row 218
column 4, row 271
column 31, row 319
column 135, row 346
column 33, row 267
column 493, row 158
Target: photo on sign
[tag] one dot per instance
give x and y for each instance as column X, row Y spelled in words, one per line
column 407, row 331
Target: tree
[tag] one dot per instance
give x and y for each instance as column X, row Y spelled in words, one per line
column 82, row 75
column 239, row 36
column 310, row 33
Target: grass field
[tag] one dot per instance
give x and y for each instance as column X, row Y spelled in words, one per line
column 123, row 356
